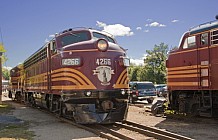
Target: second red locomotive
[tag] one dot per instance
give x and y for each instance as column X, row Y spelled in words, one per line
column 81, row 74
column 192, row 72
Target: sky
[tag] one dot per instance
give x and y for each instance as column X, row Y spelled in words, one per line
column 137, row 25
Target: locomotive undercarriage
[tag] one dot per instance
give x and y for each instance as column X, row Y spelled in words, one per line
column 197, row 103
column 99, row 107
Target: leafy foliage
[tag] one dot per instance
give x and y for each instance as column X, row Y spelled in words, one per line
column 5, row 73
column 154, row 69
column 133, row 72
column 2, row 50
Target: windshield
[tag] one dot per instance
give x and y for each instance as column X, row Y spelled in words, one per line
column 146, row 86
column 98, row 35
column 74, row 38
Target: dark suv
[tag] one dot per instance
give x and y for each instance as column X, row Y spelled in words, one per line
column 142, row 91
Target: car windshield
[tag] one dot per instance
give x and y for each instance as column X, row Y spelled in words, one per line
column 160, row 86
column 98, row 35
column 145, row 86
column 74, row 38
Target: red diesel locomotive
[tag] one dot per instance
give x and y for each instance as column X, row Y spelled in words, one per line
column 81, row 74
column 192, row 72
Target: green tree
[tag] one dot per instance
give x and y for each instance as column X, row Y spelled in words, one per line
column 5, row 73
column 142, row 74
column 133, row 72
column 155, row 63
column 2, row 50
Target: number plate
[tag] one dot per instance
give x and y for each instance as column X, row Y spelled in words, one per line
column 71, row 62
column 103, row 62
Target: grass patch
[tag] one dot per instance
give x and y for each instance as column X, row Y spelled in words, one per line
column 5, row 108
column 17, row 131
column 14, row 131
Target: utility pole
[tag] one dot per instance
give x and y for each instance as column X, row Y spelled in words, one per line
column 1, row 68
column 0, row 77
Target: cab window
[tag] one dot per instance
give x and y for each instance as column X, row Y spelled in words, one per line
column 189, row 42
column 98, row 35
column 204, row 39
column 74, row 38
column 53, row 47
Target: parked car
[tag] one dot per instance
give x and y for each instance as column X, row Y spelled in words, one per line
column 161, row 90
column 142, row 91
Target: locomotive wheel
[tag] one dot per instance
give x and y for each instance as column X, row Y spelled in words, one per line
column 54, row 105
column 194, row 110
column 31, row 100
column 47, row 103
column 61, row 108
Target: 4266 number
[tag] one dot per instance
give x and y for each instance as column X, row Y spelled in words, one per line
column 103, row 61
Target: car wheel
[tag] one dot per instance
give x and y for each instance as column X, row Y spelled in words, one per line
column 149, row 101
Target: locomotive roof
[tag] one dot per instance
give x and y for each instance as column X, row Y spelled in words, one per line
column 204, row 27
column 85, row 29
column 69, row 30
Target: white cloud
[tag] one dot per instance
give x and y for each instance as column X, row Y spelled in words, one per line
column 100, row 24
column 8, row 68
column 146, row 31
column 138, row 62
column 139, row 28
column 156, row 24
column 149, row 20
column 175, row 20
column 116, row 29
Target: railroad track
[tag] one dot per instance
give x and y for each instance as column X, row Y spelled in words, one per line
column 133, row 131
column 114, row 131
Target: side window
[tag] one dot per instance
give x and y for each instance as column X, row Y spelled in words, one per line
column 189, row 42
column 53, row 47
column 185, row 45
column 204, row 39
column 134, row 86
column 214, row 37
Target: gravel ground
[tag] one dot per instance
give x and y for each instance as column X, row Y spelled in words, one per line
column 47, row 127
column 196, row 128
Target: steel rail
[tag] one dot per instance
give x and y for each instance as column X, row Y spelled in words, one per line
column 153, row 132
column 111, row 132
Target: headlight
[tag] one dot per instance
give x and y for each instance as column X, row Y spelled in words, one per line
column 102, row 45
column 88, row 93
column 123, row 92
